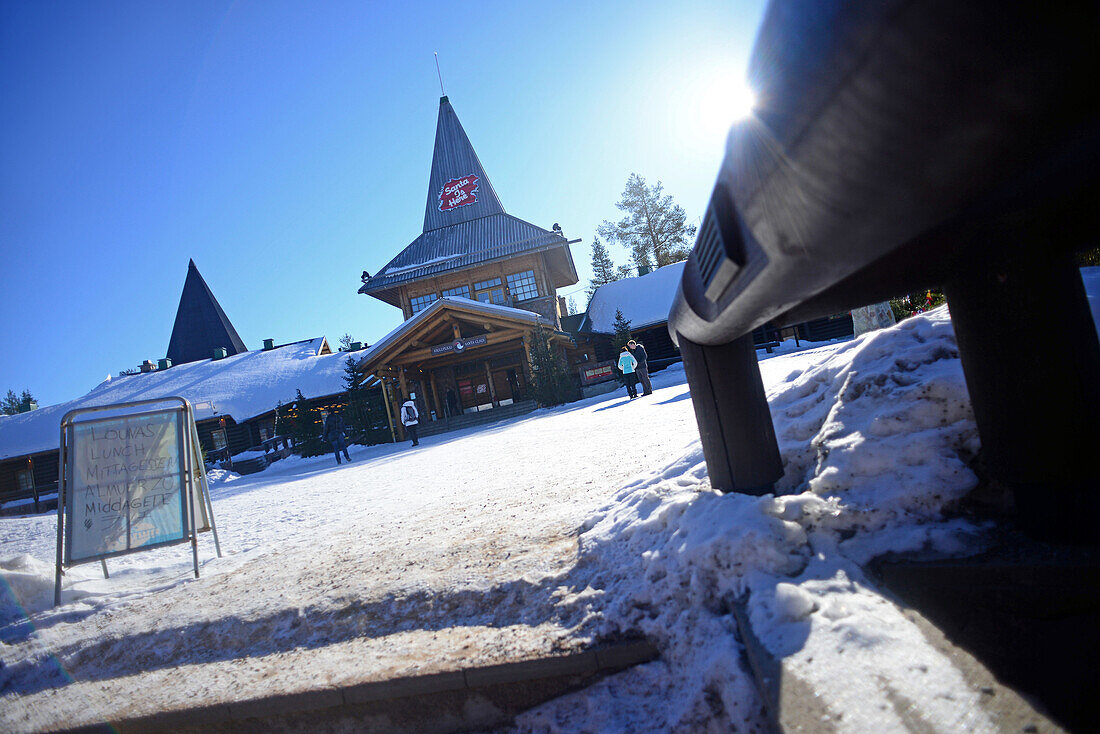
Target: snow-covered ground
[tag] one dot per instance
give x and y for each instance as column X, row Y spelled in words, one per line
column 589, row 521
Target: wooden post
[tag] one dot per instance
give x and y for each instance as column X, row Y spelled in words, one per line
column 397, row 401
column 438, row 400
column 404, row 384
column 389, row 413
column 492, row 388
column 34, row 484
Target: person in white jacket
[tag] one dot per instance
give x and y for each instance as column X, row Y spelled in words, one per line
column 410, row 418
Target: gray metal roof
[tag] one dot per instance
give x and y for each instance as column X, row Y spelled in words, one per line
column 458, row 235
column 463, row 245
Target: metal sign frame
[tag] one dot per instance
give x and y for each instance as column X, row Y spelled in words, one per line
column 191, row 473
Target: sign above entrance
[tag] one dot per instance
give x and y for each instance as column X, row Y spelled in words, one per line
column 460, row 345
column 458, row 192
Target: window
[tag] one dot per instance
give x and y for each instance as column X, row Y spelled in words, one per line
column 419, row 303
column 489, row 291
column 462, row 290
column 25, row 480
column 523, row 285
column 218, row 437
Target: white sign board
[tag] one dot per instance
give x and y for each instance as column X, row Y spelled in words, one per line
column 127, row 485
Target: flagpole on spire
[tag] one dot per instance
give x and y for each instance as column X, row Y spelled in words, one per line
column 439, row 74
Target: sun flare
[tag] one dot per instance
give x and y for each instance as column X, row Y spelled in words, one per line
column 713, row 103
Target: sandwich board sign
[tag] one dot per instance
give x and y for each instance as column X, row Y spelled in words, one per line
column 129, row 481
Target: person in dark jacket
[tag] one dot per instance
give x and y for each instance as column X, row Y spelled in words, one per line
column 334, row 430
column 638, row 351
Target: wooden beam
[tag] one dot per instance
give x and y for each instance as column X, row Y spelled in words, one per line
column 422, row 355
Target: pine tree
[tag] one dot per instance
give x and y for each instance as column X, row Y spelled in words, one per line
column 10, row 403
column 622, row 330
column 282, row 424
column 622, row 336
column 655, row 228
column 551, row 381
column 603, row 268
column 570, row 306
column 306, row 429
column 358, row 414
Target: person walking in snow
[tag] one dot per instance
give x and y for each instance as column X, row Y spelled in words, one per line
column 410, row 418
column 334, row 431
column 638, row 351
column 627, row 365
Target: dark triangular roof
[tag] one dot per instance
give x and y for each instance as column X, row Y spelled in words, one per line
column 454, row 161
column 201, row 325
column 458, row 233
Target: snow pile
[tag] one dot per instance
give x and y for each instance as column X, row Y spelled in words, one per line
column 859, row 653
column 26, row 585
column 875, row 439
column 880, row 433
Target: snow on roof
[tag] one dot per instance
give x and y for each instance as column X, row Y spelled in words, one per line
column 242, row 386
column 644, row 300
column 393, row 270
column 467, row 303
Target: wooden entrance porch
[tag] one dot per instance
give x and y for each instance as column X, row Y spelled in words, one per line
column 458, row 357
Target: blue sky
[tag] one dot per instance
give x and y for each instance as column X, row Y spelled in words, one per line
column 286, row 148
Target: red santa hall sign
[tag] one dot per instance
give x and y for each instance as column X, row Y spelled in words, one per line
column 458, row 192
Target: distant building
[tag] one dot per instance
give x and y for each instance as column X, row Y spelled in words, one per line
column 473, row 284
column 644, row 301
column 234, row 392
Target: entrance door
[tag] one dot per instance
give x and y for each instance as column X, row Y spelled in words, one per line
column 515, row 382
column 509, row 385
column 474, row 394
column 503, row 388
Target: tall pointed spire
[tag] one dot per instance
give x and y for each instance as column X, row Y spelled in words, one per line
column 201, row 325
column 458, row 189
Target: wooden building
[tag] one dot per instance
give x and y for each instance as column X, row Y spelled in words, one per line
column 234, row 392
column 471, row 287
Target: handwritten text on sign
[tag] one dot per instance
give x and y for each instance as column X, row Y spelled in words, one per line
column 126, row 491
